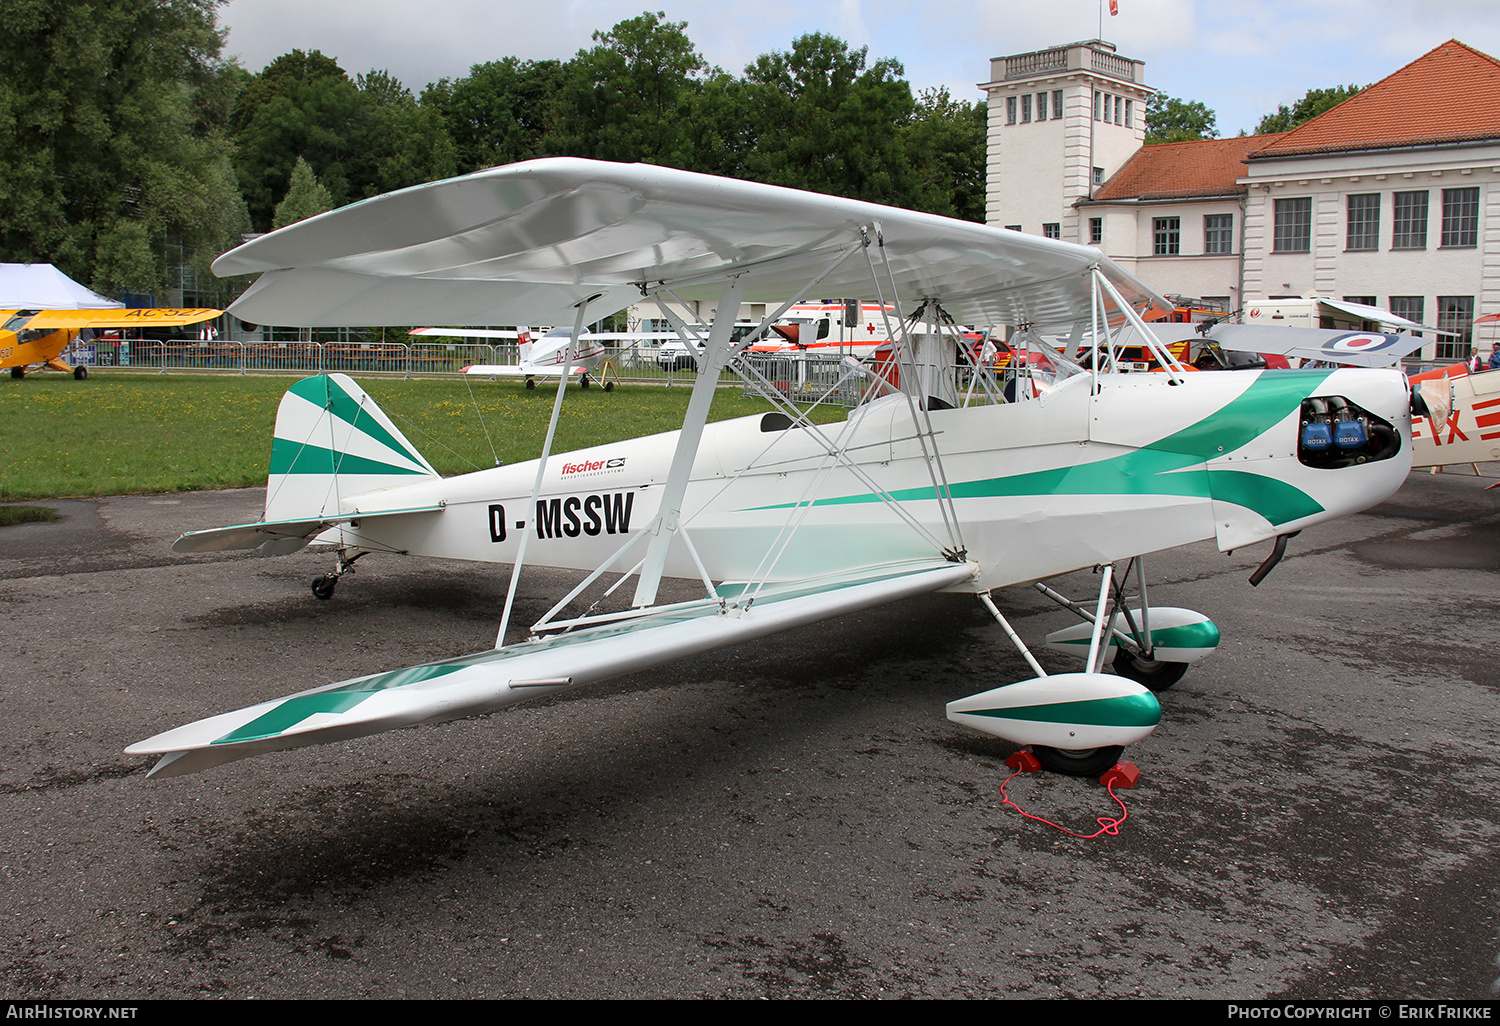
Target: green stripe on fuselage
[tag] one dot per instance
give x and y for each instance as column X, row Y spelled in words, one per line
column 1168, row 466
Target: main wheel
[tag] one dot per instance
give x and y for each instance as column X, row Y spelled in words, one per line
column 609, row 386
column 1155, row 674
column 583, row 381
column 1077, row 762
column 322, row 587
column 18, row 372
column 530, row 383
column 79, row 373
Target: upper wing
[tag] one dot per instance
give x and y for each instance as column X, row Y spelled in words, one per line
column 155, row 318
column 526, row 242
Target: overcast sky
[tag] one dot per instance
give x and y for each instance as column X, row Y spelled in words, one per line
column 1242, row 58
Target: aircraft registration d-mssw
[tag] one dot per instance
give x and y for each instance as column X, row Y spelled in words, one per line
column 939, row 486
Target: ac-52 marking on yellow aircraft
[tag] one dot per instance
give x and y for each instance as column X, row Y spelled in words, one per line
column 40, row 337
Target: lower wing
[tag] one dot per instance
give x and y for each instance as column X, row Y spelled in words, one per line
column 486, row 681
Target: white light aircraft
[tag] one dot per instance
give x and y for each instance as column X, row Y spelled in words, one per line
column 546, row 356
column 783, row 521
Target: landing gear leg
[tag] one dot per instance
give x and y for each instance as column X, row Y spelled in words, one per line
column 322, row 587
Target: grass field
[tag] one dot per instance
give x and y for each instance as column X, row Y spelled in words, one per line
column 122, row 433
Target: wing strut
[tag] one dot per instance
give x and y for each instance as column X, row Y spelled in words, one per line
column 541, row 470
column 922, row 423
column 716, row 356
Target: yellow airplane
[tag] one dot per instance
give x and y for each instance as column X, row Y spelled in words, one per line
column 31, row 337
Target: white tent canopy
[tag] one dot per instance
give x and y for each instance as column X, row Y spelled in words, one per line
column 44, row 287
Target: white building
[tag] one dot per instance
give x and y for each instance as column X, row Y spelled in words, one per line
column 1389, row 199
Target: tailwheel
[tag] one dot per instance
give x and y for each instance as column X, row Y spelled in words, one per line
column 1078, row 762
column 1158, row 675
column 322, row 587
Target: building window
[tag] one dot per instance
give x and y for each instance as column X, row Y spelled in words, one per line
column 1052, row 230
column 1025, row 108
column 1293, row 226
column 1056, row 104
column 1041, row 106
column 1012, row 227
column 1365, row 300
column 1364, row 222
column 1010, row 110
column 1096, row 230
column 1461, row 218
column 1410, row 217
column 1119, row 109
column 1166, row 236
column 1098, row 176
column 1455, row 314
column 1218, row 234
column 1097, row 97
column 1409, row 307
column 1128, row 106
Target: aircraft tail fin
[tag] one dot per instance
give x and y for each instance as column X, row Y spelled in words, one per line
column 332, row 441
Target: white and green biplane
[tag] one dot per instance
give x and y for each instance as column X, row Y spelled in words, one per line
column 934, row 483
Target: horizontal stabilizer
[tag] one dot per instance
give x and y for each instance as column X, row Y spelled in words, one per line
column 486, row 681
column 278, row 538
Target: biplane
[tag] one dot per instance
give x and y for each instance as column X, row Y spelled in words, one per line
column 783, row 521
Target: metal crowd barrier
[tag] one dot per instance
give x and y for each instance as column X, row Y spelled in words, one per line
column 624, row 365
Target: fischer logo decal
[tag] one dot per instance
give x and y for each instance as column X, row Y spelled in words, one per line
column 594, row 467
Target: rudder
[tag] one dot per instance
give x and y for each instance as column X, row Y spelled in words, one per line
column 332, row 441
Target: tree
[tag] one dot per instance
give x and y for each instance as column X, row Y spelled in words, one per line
column 405, row 143
column 1172, row 120
column 305, row 198
column 828, row 123
column 1304, row 110
column 628, row 97
column 500, row 112
column 113, row 142
column 302, row 106
column 945, row 145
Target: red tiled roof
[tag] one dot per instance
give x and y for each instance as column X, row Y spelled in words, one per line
column 1204, row 168
column 1449, row 95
